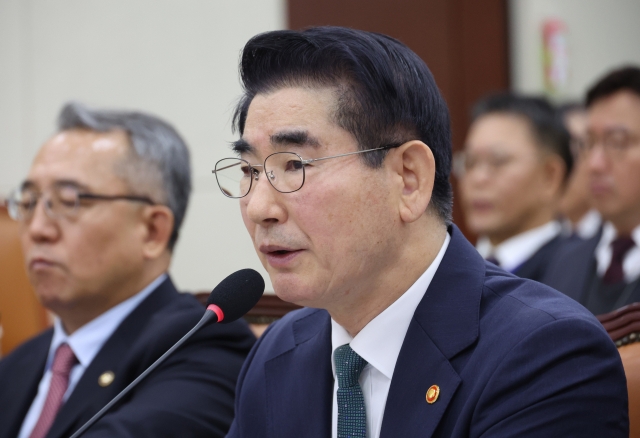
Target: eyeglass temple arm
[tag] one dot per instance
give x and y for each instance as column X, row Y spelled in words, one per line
column 311, row 160
column 233, row 165
column 117, row 197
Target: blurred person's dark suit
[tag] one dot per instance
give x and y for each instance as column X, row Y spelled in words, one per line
column 169, row 402
column 99, row 214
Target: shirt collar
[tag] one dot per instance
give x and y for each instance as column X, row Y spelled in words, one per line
column 89, row 339
column 516, row 250
column 390, row 327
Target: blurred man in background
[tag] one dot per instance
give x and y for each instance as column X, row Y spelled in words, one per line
column 342, row 176
column 603, row 273
column 580, row 218
column 513, row 171
column 99, row 214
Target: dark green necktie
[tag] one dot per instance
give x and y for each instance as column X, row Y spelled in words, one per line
column 352, row 417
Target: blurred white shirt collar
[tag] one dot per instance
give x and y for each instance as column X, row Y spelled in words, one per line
column 516, row 250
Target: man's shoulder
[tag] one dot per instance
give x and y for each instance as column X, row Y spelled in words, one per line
column 39, row 344
column 529, row 304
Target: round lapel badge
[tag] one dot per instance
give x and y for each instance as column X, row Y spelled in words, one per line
column 432, row 393
column 106, row 378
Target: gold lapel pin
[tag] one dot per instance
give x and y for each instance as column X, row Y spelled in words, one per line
column 106, row 378
column 432, row 393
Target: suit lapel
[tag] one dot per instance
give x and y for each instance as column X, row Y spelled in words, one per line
column 17, row 398
column 304, row 374
column 417, row 369
column 445, row 323
column 88, row 397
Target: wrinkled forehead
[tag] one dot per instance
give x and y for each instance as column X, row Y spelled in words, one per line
column 299, row 117
column 85, row 156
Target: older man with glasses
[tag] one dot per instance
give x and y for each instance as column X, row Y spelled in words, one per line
column 342, row 179
column 603, row 273
column 99, row 216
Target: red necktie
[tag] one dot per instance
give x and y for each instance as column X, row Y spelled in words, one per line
column 62, row 364
column 620, row 246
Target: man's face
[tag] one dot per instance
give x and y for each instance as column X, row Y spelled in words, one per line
column 330, row 240
column 81, row 262
column 504, row 173
column 615, row 171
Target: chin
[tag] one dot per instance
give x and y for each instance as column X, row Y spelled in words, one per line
column 295, row 292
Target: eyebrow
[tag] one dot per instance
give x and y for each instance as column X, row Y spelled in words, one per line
column 294, row 138
column 241, row 146
column 28, row 184
column 285, row 138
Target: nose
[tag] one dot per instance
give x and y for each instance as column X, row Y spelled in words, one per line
column 597, row 159
column 41, row 227
column 264, row 204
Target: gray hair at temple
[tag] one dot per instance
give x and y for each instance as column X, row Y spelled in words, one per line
column 158, row 164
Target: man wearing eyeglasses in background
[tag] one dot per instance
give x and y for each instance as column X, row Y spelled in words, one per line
column 343, row 184
column 603, row 273
column 512, row 173
column 99, row 215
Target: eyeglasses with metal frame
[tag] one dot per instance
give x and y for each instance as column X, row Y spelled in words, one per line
column 285, row 171
column 63, row 200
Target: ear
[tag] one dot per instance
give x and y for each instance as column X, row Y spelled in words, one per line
column 415, row 165
column 158, row 221
column 554, row 171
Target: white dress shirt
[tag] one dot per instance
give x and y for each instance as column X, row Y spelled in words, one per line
column 589, row 225
column 379, row 343
column 603, row 253
column 516, row 250
column 85, row 343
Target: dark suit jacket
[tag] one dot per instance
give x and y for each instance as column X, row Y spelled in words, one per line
column 512, row 358
column 572, row 269
column 539, row 263
column 190, row 395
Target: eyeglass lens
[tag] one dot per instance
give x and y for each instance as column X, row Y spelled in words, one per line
column 61, row 201
column 284, row 170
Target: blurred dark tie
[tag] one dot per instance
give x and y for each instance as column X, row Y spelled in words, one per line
column 620, row 246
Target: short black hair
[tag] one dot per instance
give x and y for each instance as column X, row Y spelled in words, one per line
column 625, row 78
column 544, row 119
column 385, row 92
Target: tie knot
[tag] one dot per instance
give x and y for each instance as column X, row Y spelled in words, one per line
column 349, row 365
column 621, row 245
column 64, row 360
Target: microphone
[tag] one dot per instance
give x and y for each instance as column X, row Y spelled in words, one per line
column 229, row 301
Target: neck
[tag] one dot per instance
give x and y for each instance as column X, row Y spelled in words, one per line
column 625, row 223
column 415, row 255
column 577, row 213
column 77, row 314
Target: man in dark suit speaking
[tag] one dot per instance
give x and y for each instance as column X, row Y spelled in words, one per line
column 99, row 215
column 343, row 184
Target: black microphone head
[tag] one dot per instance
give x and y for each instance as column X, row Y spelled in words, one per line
column 237, row 294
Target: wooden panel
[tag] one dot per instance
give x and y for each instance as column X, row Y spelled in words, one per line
column 464, row 43
column 21, row 315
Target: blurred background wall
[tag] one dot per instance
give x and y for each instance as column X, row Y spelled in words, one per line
column 178, row 59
